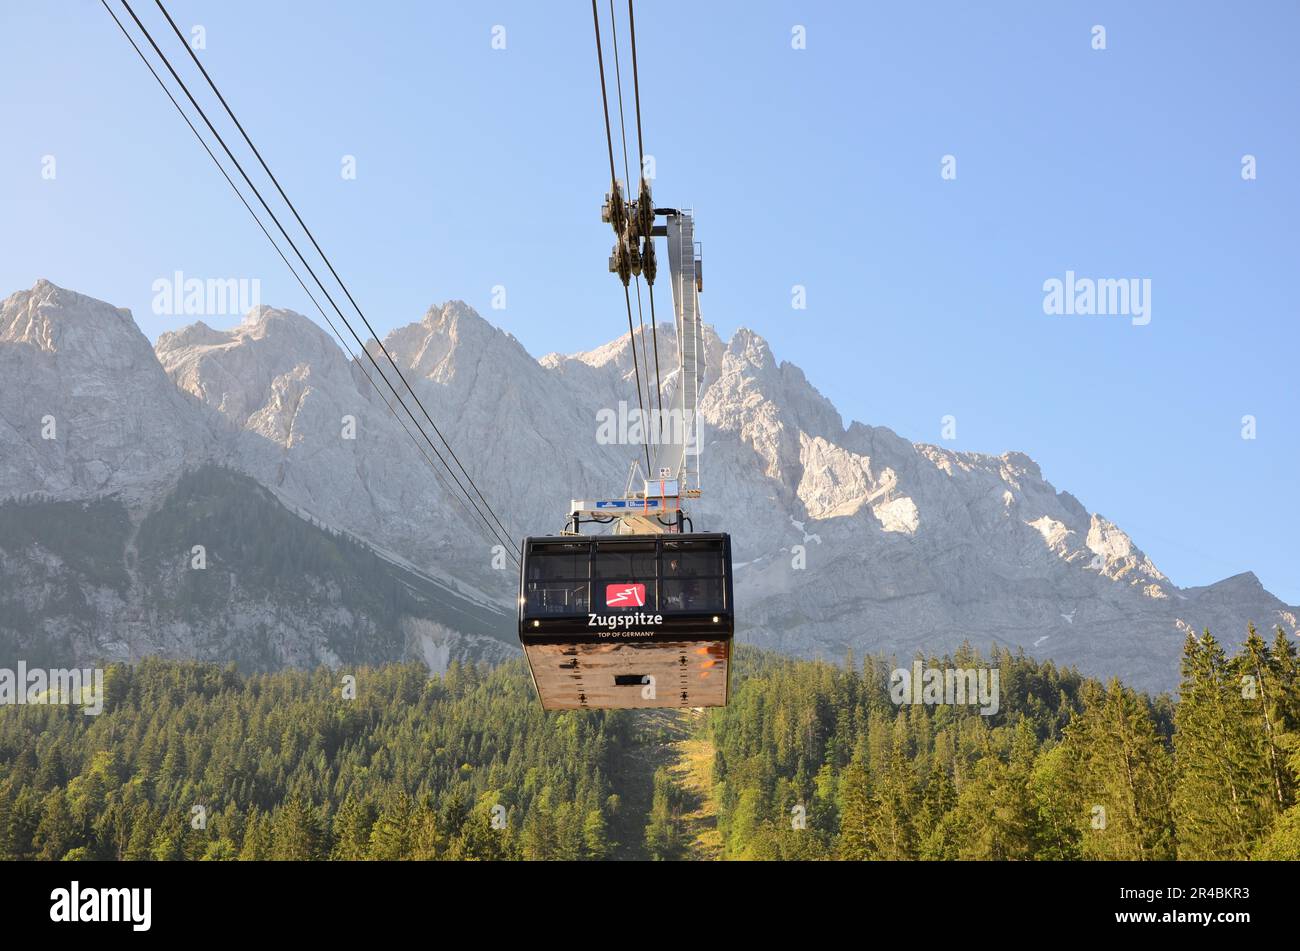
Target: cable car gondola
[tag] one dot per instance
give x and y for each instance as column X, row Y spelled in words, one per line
column 628, row 621
column 643, row 616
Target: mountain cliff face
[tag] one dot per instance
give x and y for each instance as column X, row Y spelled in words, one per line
column 108, row 469
column 85, row 407
column 219, row 570
column 850, row 536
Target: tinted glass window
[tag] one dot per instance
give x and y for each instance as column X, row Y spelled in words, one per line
column 693, row 564
column 626, row 563
column 693, row 594
column 558, row 562
column 556, row 597
column 693, row 559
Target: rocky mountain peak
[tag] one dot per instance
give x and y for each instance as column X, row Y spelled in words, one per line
column 842, row 537
column 85, row 408
column 271, row 353
column 449, row 341
column 56, row 320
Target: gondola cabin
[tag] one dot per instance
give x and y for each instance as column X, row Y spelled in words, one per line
column 627, row 621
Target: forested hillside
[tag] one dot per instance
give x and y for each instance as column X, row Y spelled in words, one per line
column 220, row 569
column 810, row 760
column 1067, row 769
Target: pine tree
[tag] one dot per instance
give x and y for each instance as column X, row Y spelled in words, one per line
column 939, row 798
column 857, row 814
column 1053, row 789
column 139, row 846
column 257, row 838
column 351, row 828
column 970, row 832
column 538, row 836
column 57, row 833
column 1287, row 672
column 744, row 819
column 1222, row 798
column 426, row 838
column 1122, row 771
column 1012, row 813
column 1266, row 695
column 8, row 852
column 595, row 835
column 479, row 838
column 390, row 837
column 169, row 840
column 664, row 835
column 896, row 800
column 1283, row 841
column 295, row 832
column 273, row 752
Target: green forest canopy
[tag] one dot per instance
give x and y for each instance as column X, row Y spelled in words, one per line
column 811, row 760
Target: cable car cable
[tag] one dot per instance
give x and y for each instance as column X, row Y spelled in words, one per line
column 658, row 382
column 604, row 98
column 504, row 540
column 278, row 251
column 618, row 77
column 613, row 178
column 288, row 264
column 627, row 173
column 190, row 50
column 631, row 337
column 640, row 149
column 508, row 545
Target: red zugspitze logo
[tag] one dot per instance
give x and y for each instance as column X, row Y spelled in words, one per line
column 625, row 595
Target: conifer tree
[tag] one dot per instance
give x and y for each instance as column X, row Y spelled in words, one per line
column 169, row 840
column 1053, row 789
column 857, row 814
column 426, row 836
column 56, row 834
column 1122, row 770
column 296, row 833
column 1287, row 671
column 257, row 838
column 390, row 836
column 1268, row 681
column 1282, row 843
column 139, row 846
column 595, row 835
column 1013, row 816
column 664, row 835
column 1222, row 797
column 896, row 800
column 7, row 851
column 351, row 827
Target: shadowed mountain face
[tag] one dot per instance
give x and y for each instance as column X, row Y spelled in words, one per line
column 220, row 570
column 843, row 537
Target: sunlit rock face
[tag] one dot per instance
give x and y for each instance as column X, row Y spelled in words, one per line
column 843, row 536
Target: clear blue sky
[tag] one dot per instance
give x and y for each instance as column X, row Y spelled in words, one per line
column 819, row 167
